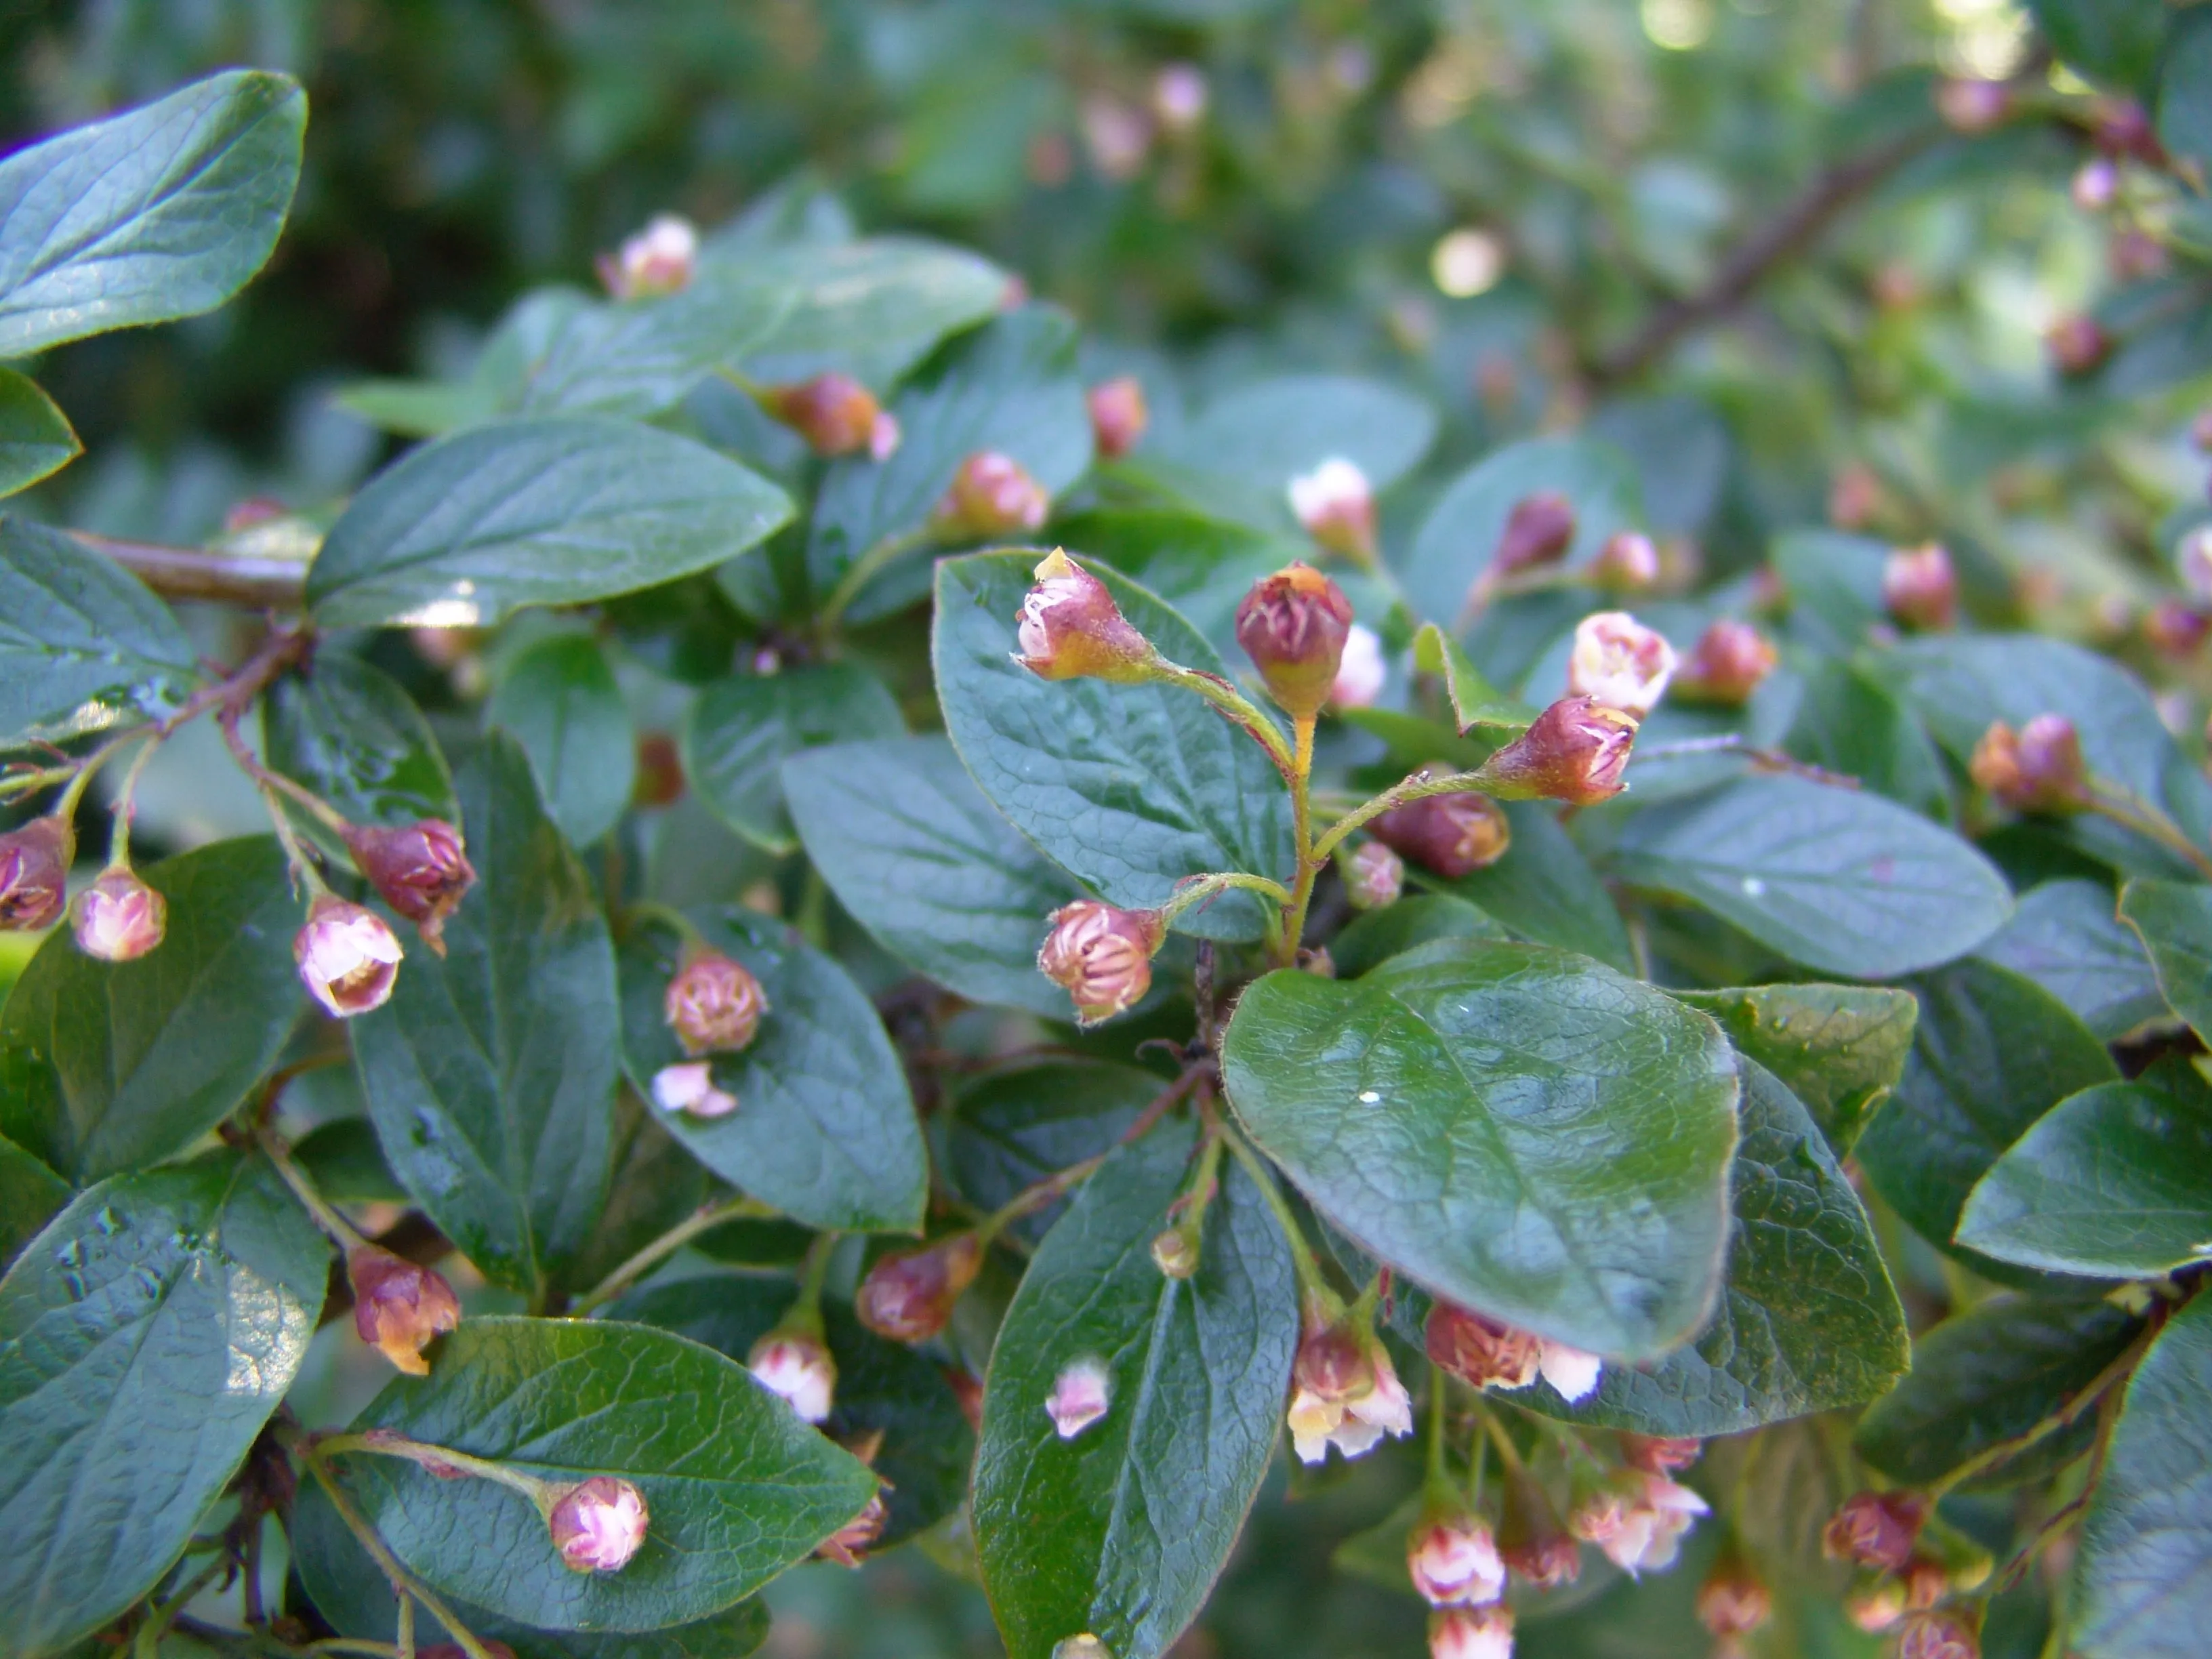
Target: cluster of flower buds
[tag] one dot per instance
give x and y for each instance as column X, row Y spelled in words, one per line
column 1101, row 956
column 1485, row 1353
column 796, row 1364
column 1070, row 627
column 348, row 956
column 1620, row 663
column 991, row 494
column 599, row 1525
column 1345, row 1392
column 35, row 863
column 1118, row 414
column 1080, row 1395
column 1293, row 625
column 1360, row 675
column 1454, row 1561
column 660, row 259
column 120, row 918
column 1919, row 589
column 908, row 1297
column 398, row 1306
column 1373, row 875
column 1471, row 1633
column 2038, row 769
column 1574, row 752
column 422, row 871
column 1452, row 835
column 1532, row 1541
column 1336, row 504
column 837, row 416
column 1730, row 660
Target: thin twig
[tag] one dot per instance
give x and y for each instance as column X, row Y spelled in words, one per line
column 256, row 582
column 736, row 1209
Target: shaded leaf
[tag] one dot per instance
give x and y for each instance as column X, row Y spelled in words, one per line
column 742, row 727
column 2067, row 937
column 638, row 357
column 1273, row 429
column 75, row 628
column 36, row 437
column 560, row 702
column 2173, row 919
column 1010, row 1129
column 1474, row 701
column 351, row 734
column 1839, row 1048
column 871, row 309
column 1372, row 939
column 30, row 1194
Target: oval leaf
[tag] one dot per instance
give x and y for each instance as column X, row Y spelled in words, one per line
column 2066, row 936
column 36, row 439
column 2174, row 920
column 351, row 734
column 1840, row 1049
column 741, row 729
column 560, row 702
column 75, row 628
column 1011, row 1129
column 1273, row 429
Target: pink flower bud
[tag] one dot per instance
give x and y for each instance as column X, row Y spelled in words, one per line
column 714, row 1004
column 347, row 955
column 1920, row 588
column 1574, row 752
column 845, row 1546
column 2077, row 345
column 990, row 496
column 422, row 872
column 2194, row 561
column 1175, row 1252
column 598, row 1526
column 1454, row 1563
column 1179, row 96
column 1345, row 1393
column 1627, row 563
column 1855, row 498
column 398, row 1305
column 1293, row 625
column 660, row 259
column 1079, row 1398
column 2121, row 126
column 2097, row 185
column 1655, row 1515
column 120, row 918
column 692, row 1088
column 967, row 1392
column 835, row 413
column 1538, row 532
column 659, row 770
column 1730, row 660
column 1620, row 663
column 1451, row 835
column 1336, row 504
column 35, row 863
column 1101, row 957
column 1974, row 107
column 1732, row 1601
column 2175, row 629
column 1118, row 414
column 1471, row 1633
column 1660, row 1455
column 1360, row 674
column 908, row 1297
column 1572, row 1373
column 1117, row 134
column 2134, row 255
column 1875, row 1528
column 1944, row 1633
column 1544, row 1563
column 1070, row 628
column 1374, row 876
column 1531, row 1542
column 2038, row 769
column 798, row 1367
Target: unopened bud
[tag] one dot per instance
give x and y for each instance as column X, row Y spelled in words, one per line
column 1732, row 1601
column 422, row 872
column 1538, row 532
column 1919, row 587
column 2175, row 629
column 967, row 1393
column 1336, row 504
column 1972, row 108
column 1925, row 1581
column 1179, row 96
column 660, row 259
column 347, row 955
column 1874, row 1528
column 1875, row 1607
column 659, row 770
column 1471, row 1633
column 1345, row 1393
column 2077, row 345
column 846, row 1544
column 1070, row 627
column 798, row 1367
column 1452, row 835
column 908, row 1297
column 1531, row 1542
column 2096, row 184
column 1855, row 498
column 1101, row 957
column 1293, row 625
column 835, row 413
column 1454, row 1562
column 1374, row 876
column 1659, row 1453
column 2134, row 255
column 1620, row 663
column 1574, row 752
column 120, row 918
column 1627, row 563
column 1118, row 414
column 599, row 1525
column 1080, row 1395
column 991, row 494
column 1175, row 1253
column 399, row 1305
column 714, row 1004
column 690, row 1087
column 2039, row 768
column 1360, row 675
column 35, row 863
column 2121, row 126
column 1730, row 660
column 1943, row 1633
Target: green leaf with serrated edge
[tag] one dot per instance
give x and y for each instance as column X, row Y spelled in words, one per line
column 75, row 628
column 2115, row 1181
column 1543, row 888
column 2068, row 938
column 1131, row 788
column 158, row 212
column 106, row 1066
column 1839, row 1048
column 490, row 1074
column 558, row 511
column 1992, row 1053
column 1121, row 1530
column 1807, row 1320
column 638, row 357
column 1842, row 881
column 2143, row 1585
column 1987, row 1376
column 1011, row 1129
column 36, row 439
column 351, row 734
column 1372, row 939
column 30, row 1194
column 560, row 702
column 824, row 1128
column 1474, row 701
column 871, row 309
column 145, row 1336
column 921, row 860
column 883, row 1387
column 1515, row 1129
column 2173, row 919
column 741, row 728
column 736, row 1487
column 1271, row 430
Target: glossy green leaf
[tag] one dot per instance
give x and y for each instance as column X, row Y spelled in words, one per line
column 1010, row 1129
column 555, row 511
column 736, row 1487
column 2142, row 1589
column 36, row 438
column 1544, row 889
column 922, row 861
column 1993, row 1052
column 1808, row 1319
column 656, row 1185
column 1369, row 941
column 1839, row 1048
column 2173, row 919
column 2115, row 1181
column 345, row 1162
column 1987, row 1376
column 145, row 1336
column 1474, row 701
column 2067, row 937
column 157, row 213
column 1520, row 1131
column 350, row 732
column 1129, row 787
column 1273, row 429
column 490, row 1074
column 75, row 629
column 1121, row 1531
column 871, row 309
column 1848, row 723
column 1843, row 881
column 742, row 727
column 560, row 702
column 638, row 357
column 824, row 1128
column 30, row 1194
column 105, row 1066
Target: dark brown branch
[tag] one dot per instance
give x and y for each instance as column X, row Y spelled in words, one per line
column 189, row 572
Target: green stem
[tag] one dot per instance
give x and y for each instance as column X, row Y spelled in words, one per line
column 148, row 1642
column 863, row 570
column 805, row 1314
column 404, row 1582
column 2098, row 1387
column 2130, row 812
column 1314, row 1285
column 1199, row 889
column 735, row 1209
column 1419, row 786
column 1508, row 1453
column 125, row 807
column 341, row 1231
column 1438, row 1418
column 384, row 1442
column 1309, row 866
column 406, row 1627
column 1239, row 709
column 356, row 1644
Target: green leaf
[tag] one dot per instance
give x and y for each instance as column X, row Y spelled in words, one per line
column 2115, row 1181
column 1842, row 881
column 824, row 1128
column 922, row 861
column 105, row 1066
column 351, row 734
column 1807, row 1320
column 1271, row 430
column 145, row 1336
column 1839, row 1048
column 871, row 309
column 76, row 629
column 347, row 1165
column 1474, row 701
column 2173, row 919
column 560, row 702
column 1128, row 788
column 1544, row 889
column 1848, row 723
column 2143, row 1588
column 1121, row 1530
column 1988, row 1375
column 736, row 1487
column 742, row 727
column 158, row 212
column 36, row 439
column 2065, row 936
column 1372, row 939
column 1011, row 1129
column 2185, row 115
column 470, row 527
column 1993, row 1052
column 490, row 1074
column 2113, row 40
column 638, row 357
column 30, row 1193
column 1515, row 1129
column 1834, row 584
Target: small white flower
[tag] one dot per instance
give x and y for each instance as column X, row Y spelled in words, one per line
column 1620, row 663
column 599, row 1525
column 1570, row 1371
column 1353, row 1426
column 1455, row 1563
column 1079, row 1397
column 1649, row 1535
column 659, row 259
column 690, row 1088
column 1179, row 96
column 798, row 1368
column 1333, row 487
column 348, row 956
column 1471, row 1633
column 1360, row 672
